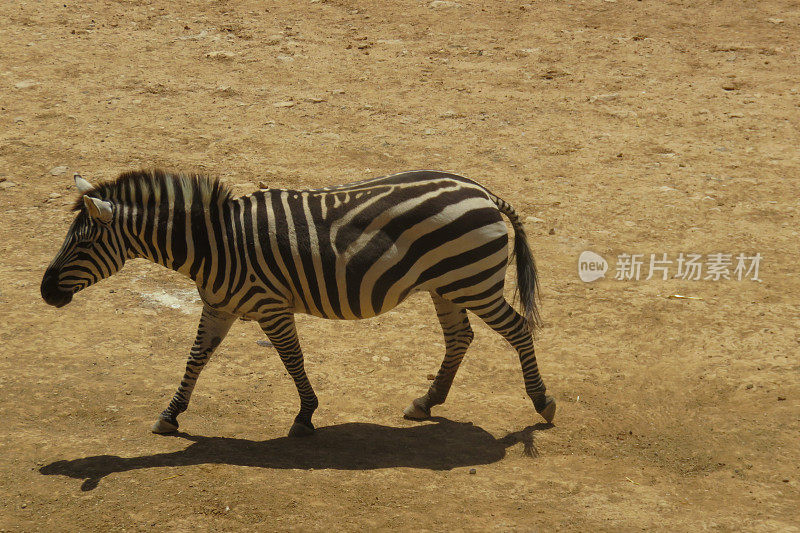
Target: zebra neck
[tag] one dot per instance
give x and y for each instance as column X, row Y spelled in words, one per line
column 191, row 239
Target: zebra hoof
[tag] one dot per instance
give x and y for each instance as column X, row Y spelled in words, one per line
column 548, row 410
column 300, row 430
column 416, row 412
column 163, row 425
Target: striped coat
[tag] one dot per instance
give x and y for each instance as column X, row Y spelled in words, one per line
column 347, row 252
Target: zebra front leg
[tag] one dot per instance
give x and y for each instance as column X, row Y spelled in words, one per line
column 214, row 325
column 457, row 338
column 282, row 333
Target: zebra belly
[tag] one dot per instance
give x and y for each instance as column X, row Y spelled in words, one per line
column 458, row 268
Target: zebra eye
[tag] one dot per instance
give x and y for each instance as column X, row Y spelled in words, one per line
column 84, row 238
column 83, row 242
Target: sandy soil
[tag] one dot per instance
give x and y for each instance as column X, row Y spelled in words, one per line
column 612, row 126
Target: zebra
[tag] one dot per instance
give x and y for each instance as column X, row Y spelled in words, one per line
column 345, row 252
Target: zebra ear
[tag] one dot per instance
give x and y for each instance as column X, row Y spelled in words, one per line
column 99, row 209
column 82, row 185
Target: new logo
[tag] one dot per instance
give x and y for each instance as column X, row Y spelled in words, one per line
column 591, row 266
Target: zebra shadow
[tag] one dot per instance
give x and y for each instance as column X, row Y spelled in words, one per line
column 442, row 445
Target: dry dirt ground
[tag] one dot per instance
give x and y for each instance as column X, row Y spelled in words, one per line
column 613, row 126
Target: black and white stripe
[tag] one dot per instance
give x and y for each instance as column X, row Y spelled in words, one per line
column 346, row 252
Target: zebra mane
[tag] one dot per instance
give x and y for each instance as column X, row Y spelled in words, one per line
column 154, row 183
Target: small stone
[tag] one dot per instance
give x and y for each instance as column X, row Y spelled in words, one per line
column 7, row 185
column 604, row 97
column 26, row 84
column 473, row 471
column 315, row 99
column 552, row 231
column 221, row 55
column 781, row 398
column 18, row 120
column 24, row 505
column 731, row 86
column 57, row 171
column 666, row 188
column 196, row 37
column 443, row 4
column 431, row 377
column 774, row 20
column 748, row 386
column 428, row 131
column 535, row 220
column 385, row 359
column 287, row 103
column 264, row 343
column 54, row 195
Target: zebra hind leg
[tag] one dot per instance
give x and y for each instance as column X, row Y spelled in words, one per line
column 502, row 318
column 214, row 325
column 282, row 333
column 457, row 338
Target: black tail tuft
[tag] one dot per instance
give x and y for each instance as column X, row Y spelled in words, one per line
column 527, row 279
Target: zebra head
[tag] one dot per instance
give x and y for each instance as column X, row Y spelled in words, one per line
column 92, row 250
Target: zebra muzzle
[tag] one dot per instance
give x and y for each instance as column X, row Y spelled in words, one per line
column 52, row 294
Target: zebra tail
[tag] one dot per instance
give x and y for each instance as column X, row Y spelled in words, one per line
column 527, row 289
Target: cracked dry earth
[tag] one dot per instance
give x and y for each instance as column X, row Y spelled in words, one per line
column 621, row 127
